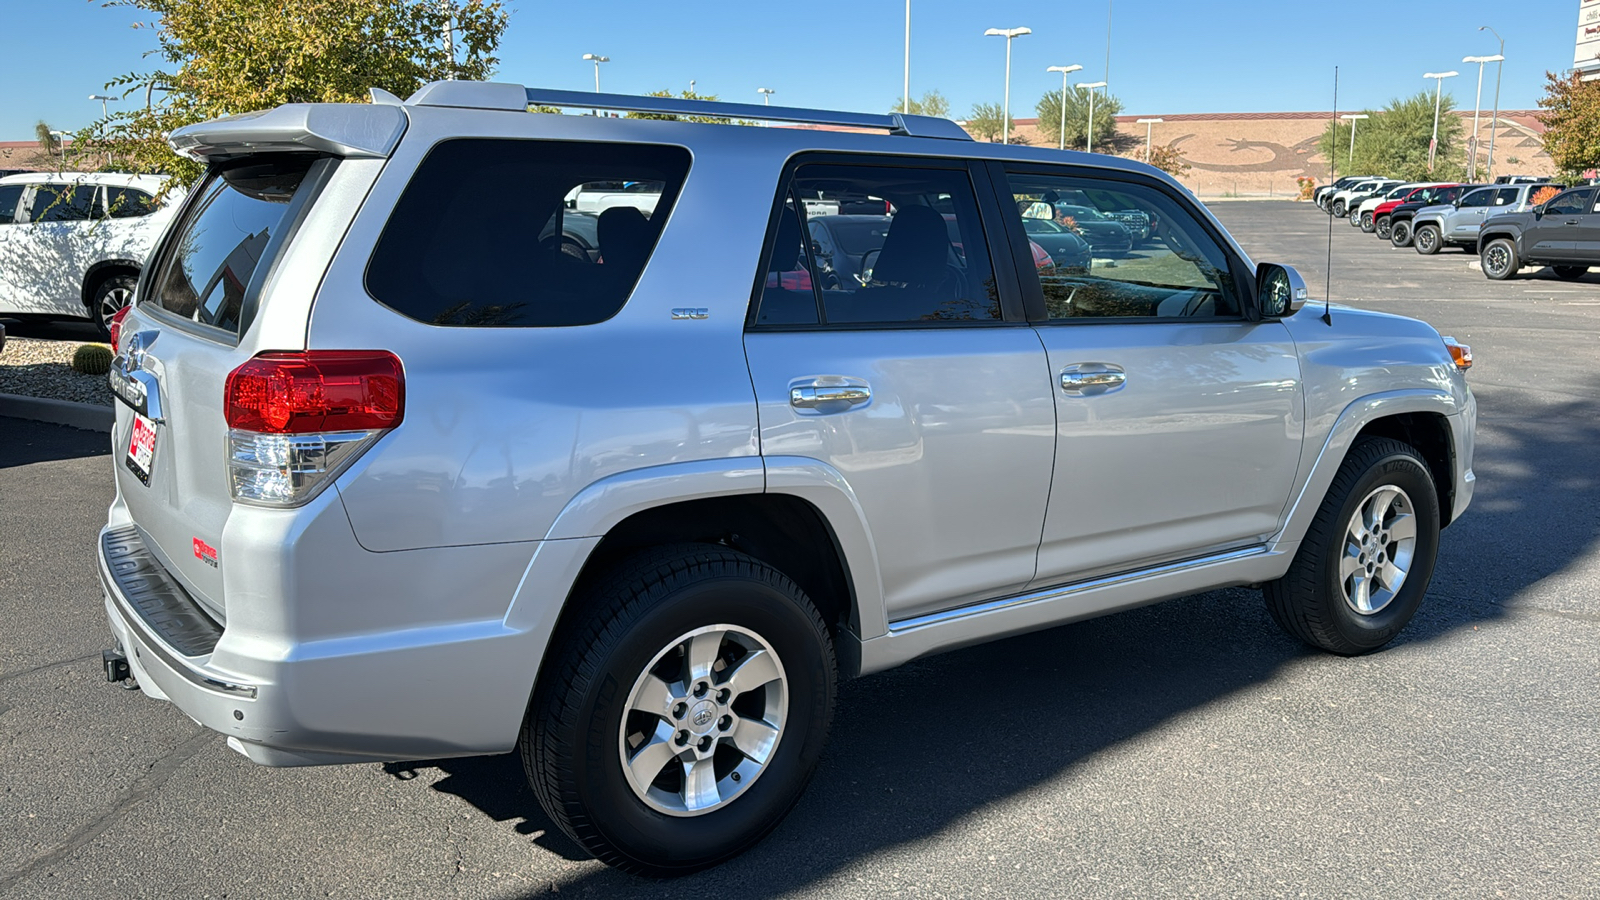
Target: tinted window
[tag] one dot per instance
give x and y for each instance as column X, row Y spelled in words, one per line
column 10, row 196
column 1506, row 196
column 1148, row 256
column 919, row 258
column 127, row 203
column 226, row 234
column 499, row 254
column 1571, row 203
column 1477, row 198
column 62, row 203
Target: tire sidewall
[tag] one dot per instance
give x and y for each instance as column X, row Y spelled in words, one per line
column 1400, row 234
column 1511, row 266
column 1403, row 470
column 656, row 839
column 1429, row 245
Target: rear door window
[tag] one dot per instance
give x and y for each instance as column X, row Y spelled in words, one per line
column 127, row 203
column 63, row 203
column 237, row 220
column 513, row 247
column 10, row 197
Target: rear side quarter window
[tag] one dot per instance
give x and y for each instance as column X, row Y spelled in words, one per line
column 524, row 233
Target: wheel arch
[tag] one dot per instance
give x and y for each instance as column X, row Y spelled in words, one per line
column 102, row 270
column 1484, row 239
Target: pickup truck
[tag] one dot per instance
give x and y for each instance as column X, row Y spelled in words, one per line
column 1563, row 233
column 1458, row 223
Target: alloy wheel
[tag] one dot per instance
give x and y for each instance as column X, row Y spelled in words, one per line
column 1379, row 544
column 112, row 302
column 1496, row 260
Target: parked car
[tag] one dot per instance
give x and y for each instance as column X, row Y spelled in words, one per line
column 1563, row 233
column 580, row 235
column 1420, row 194
column 1457, row 224
column 1400, row 218
column 1107, row 237
column 72, row 245
column 1324, row 194
column 1363, row 215
column 423, row 493
column 1066, row 249
column 1521, row 179
column 1340, row 204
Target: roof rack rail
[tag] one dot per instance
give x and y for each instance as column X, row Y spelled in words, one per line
column 481, row 95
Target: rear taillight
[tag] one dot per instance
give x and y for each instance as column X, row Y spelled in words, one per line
column 297, row 419
column 115, row 328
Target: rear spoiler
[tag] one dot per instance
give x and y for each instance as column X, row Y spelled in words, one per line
column 365, row 131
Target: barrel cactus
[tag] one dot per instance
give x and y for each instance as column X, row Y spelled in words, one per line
column 92, row 359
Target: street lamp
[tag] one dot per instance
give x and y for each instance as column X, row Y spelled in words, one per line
column 1472, row 167
column 597, row 59
column 1065, row 71
column 103, row 98
column 1148, row 124
column 1353, row 118
column 1438, row 90
column 1005, row 113
column 766, row 95
column 61, row 142
column 1494, row 123
column 1090, row 87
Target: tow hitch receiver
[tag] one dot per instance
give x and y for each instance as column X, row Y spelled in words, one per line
column 116, row 663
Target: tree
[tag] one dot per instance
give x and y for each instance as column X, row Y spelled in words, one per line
column 223, row 57
column 1165, row 158
column 932, row 103
column 47, row 141
column 1394, row 141
column 988, row 121
column 1572, row 124
column 688, row 95
column 1106, row 109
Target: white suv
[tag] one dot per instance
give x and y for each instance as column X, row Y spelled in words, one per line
column 72, row 244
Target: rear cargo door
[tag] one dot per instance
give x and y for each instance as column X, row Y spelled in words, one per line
column 197, row 302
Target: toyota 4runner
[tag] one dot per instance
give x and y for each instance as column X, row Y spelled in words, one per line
column 399, row 477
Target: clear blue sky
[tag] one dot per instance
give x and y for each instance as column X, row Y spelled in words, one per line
column 1166, row 56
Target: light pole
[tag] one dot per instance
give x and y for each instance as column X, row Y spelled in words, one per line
column 1108, row 42
column 61, row 142
column 103, row 98
column 766, row 95
column 1353, row 118
column 1005, row 112
column 1438, row 91
column 1148, row 124
column 1494, row 123
column 597, row 59
column 1477, row 104
column 1065, row 71
column 905, row 97
column 1090, row 87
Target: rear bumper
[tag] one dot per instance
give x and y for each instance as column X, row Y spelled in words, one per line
column 400, row 691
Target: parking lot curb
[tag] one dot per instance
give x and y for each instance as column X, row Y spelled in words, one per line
column 87, row 416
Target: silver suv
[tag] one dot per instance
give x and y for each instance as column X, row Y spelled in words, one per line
column 403, row 474
column 1457, row 224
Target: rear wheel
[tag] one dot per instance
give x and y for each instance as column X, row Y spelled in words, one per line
column 680, row 718
column 1339, row 209
column 1368, row 556
column 1570, row 273
column 1367, row 224
column 1428, row 239
column 110, row 297
column 1499, row 259
column 1400, row 233
column 1381, row 227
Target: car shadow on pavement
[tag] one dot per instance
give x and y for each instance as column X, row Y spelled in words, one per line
column 917, row 750
column 23, row 443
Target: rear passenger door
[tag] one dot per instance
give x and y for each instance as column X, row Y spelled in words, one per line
column 51, row 248
column 10, row 200
column 1178, row 422
column 911, row 372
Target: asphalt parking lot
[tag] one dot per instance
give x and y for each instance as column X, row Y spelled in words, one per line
column 1186, row 749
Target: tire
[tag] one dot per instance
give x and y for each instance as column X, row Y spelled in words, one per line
column 1313, row 602
column 1400, row 233
column 1428, row 240
column 1381, row 228
column 584, row 716
column 1499, row 259
column 1367, row 224
column 110, row 296
column 1570, row 273
column 1339, row 209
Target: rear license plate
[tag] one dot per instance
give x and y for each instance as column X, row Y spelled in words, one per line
column 141, row 448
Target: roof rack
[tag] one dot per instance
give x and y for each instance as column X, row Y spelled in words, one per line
column 483, row 95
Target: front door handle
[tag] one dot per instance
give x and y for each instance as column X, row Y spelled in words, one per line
column 1570, row 222
column 1090, row 379
column 830, row 395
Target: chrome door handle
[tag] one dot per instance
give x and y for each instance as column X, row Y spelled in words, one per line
column 818, row 396
column 1087, row 379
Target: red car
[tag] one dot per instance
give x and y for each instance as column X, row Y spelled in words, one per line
column 1380, row 216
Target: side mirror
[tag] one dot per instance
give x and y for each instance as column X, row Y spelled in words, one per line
column 1280, row 290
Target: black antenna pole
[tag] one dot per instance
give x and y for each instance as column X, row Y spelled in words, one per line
column 1333, row 166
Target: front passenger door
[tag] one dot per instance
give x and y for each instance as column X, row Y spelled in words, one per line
column 1178, row 422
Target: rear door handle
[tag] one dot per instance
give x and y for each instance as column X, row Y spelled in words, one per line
column 1090, row 379
column 830, row 395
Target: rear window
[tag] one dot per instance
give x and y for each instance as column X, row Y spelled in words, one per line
column 236, row 221
column 506, row 233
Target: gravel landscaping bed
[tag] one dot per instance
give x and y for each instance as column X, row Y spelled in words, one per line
column 36, row 368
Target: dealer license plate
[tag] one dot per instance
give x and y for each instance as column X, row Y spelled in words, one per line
column 141, row 448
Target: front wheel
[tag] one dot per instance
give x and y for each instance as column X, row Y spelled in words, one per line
column 1499, row 259
column 1400, row 233
column 1570, row 273
column 678, row 720
column 1367, row 557
column 1428, row 239
column 1381, row 227
column 1367, row 223
column 1339, row 209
